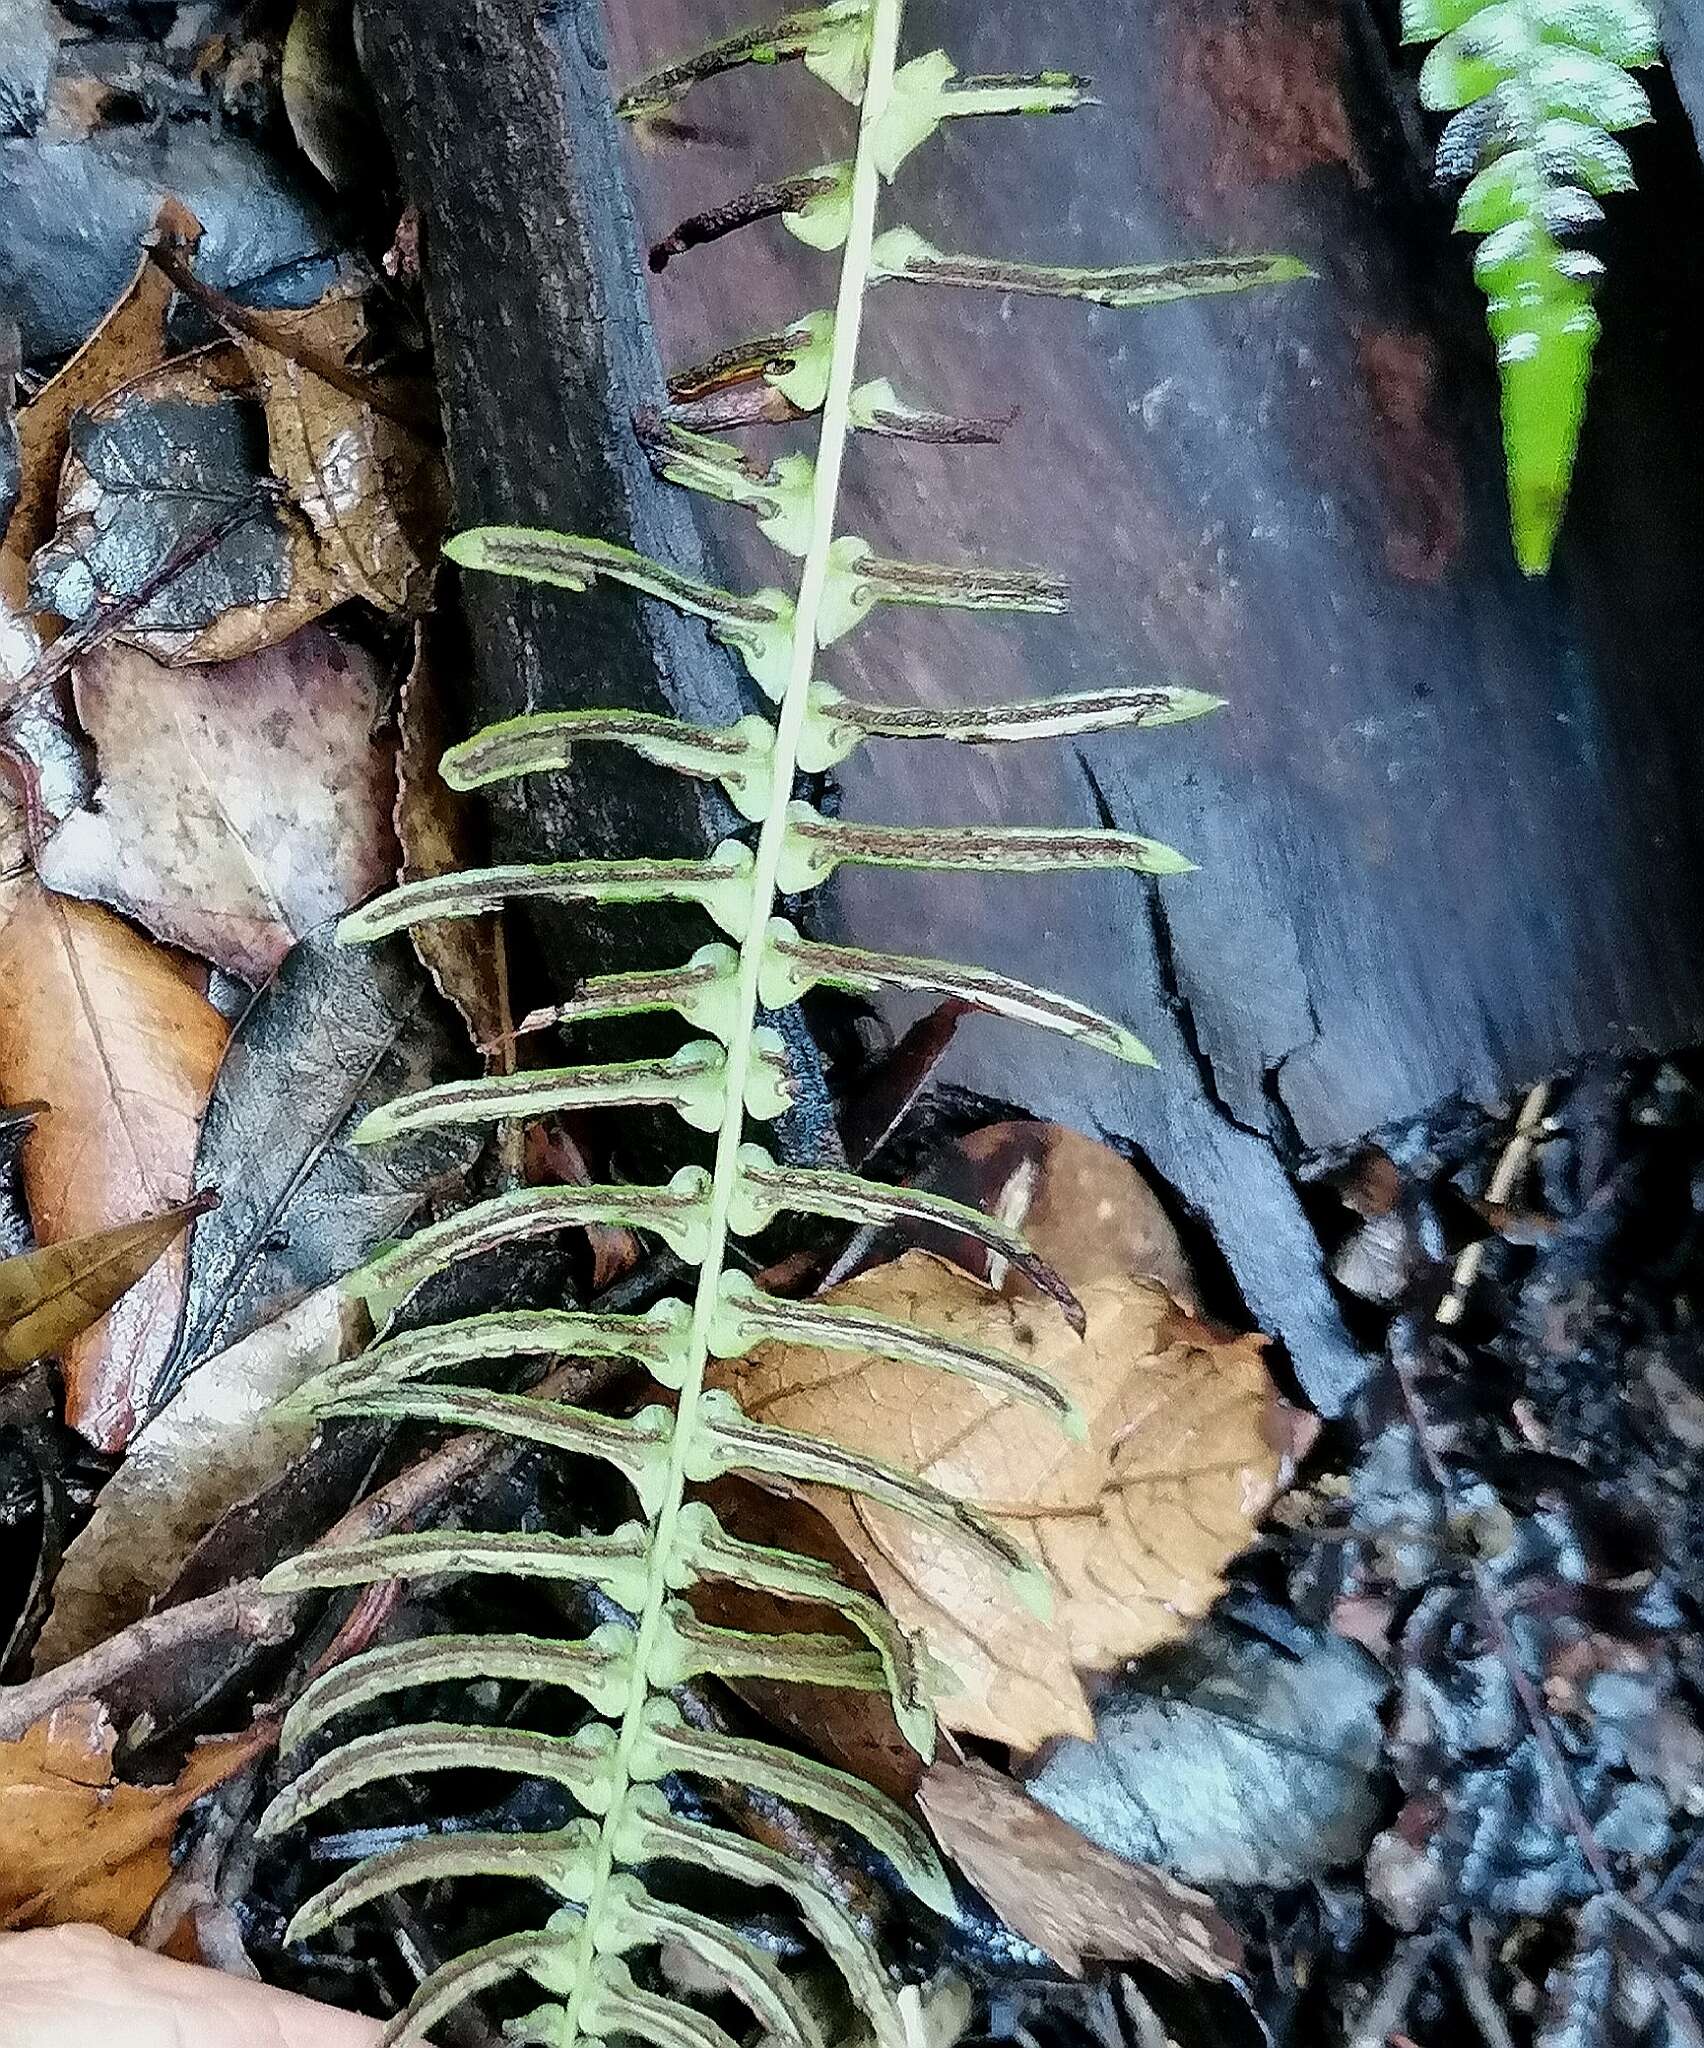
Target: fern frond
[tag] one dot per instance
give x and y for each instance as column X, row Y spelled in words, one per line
column 688, row 1430
column 1537, row 91
column 678, row 1213
column 719, row 884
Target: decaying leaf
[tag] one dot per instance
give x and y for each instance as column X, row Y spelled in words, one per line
column 338, row 1030
column 466, row 956
column 373, row 492
column 51, row 1295
column 1069, row 1896
column 241, row 803
column 153, row 470
column 112, row 1032
column 129, row 341
column 79, row 1844
column 222, row 1439
column 1134, row 1525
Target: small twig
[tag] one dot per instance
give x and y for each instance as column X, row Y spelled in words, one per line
column 239, row 1613
column 102, row 624
column 1510, row 1170
column 242, row 1612
column 1476, row 1993
column 270, row 332
column 1383, row 2012
column 1680, row 1875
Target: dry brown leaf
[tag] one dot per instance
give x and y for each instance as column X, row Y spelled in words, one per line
column 221, row 1439
column 373, row 492
column 437, row 830
column 1134, row 1525
column 165, row 470
column 241, row 803
column 129, row 340
column 113, row 1033
column 51, row 1295
column 1064, row 1189
column 78, row 1845
column 1072, row 1898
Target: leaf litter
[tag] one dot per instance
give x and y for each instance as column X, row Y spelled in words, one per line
column 240, row 803
column 116, row 1036
column 1134, row 1526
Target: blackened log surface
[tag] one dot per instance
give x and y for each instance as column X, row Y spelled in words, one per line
column 500, row 117
column 1448, row 830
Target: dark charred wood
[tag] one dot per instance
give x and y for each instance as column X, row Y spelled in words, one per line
column 500, row 116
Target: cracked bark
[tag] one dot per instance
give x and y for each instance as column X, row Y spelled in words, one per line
column 1446, row 829
column 1446, row 833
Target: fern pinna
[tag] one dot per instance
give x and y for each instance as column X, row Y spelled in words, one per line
column 607, row 1872
column 1537, row 91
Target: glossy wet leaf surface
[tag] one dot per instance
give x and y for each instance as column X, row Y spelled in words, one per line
column 152, row 470
column 337, row 1031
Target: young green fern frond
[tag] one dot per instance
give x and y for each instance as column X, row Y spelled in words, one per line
column 1537, row 91
column 589, row 1960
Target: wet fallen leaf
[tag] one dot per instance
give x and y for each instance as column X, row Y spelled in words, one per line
column 152, row 471
column 1134, row 1525
column 79, row 1844
column 439, row 833
column 113, row 1033
column 53, row 1294
column 240, row 804
column 221, row 1440
column 1066, row 1894
column 338, row 1030
column 373, row 492
column 1230, row 1759
column 128, row 342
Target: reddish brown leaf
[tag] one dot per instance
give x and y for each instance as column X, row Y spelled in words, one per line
column 1055, row 1887
column 78, row 1844
column 855, row 1730
column 1134, row 1525
column 112, row 1032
